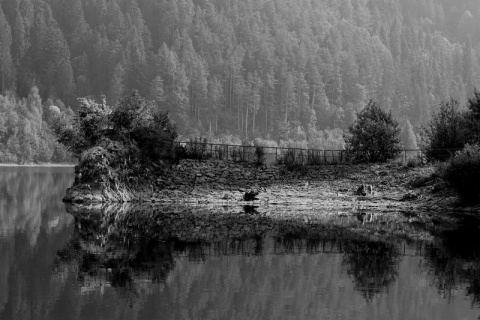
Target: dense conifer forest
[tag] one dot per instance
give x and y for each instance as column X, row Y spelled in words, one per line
column 292, row 71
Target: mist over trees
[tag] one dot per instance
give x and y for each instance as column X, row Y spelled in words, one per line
column 278, row 69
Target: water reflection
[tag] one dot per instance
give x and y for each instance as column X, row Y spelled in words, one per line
column 127, row 245
column 32, row 223
column 372, row 265
column 216, row 263
column 29, row 199
column 454, row 260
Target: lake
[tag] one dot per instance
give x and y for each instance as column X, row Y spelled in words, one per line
column 59, row 265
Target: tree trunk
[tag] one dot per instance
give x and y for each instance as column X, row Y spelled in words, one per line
column 313, row 96
column 286, row 109
column 253, row 121
column 246, row 121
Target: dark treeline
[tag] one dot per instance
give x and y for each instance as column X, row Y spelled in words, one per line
column 279, row 69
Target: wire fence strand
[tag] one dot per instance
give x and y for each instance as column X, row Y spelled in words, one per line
column 278, row 155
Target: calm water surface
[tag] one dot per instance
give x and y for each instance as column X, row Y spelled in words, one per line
column 53, row 266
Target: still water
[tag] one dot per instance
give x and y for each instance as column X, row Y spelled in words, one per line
column 55, row 266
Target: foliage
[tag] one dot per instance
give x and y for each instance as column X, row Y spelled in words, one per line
column 472, row 119
column 462, row 173
column 297, row 69
column 229, row 139
column 445, row 133
column 328, row 139
column 195, row 149
column 374, row 137
column 315, row 157
column 264, row 143
column 408, row 137
column 25, row 135
column 83, row 132
column 111, row 144
column 288, row 157
column 259, row 155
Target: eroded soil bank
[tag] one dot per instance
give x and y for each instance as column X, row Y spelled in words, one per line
column 405, row 202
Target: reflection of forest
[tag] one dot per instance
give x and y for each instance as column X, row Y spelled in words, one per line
column 32, row 221
column 125, row 247
column 186, row 264
column 455, row 261
column 268, row 277
column 31, row 197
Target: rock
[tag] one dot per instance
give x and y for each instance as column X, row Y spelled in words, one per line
column 250, row 195
column 227, row 196
column 409, row 196
column 364, row 189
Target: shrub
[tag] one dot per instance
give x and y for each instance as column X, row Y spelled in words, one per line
column 197, row 149
column 291, row 157
column 236, row 153
column 133, row 136
column 374, row 137
column 83, row 133
column 445, row 132
column 264, row 143
column 259, row 155
column 315, row 157
column 462, row 173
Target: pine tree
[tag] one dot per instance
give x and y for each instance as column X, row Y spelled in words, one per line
column 408, row 137
column 6, row 63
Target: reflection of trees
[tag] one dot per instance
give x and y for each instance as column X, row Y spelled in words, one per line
column 455, row 261
column 123, row 245
column 32, row 197
column 32, row 217
column 121, row 260
column 372, row 265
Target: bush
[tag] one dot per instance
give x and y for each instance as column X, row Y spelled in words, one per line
column 196, row 149
column 315, row 157
column 462, row 173
column 259, row 155
column 111, row 143
column 445, row 133
column 83, row 133
column 374, row 137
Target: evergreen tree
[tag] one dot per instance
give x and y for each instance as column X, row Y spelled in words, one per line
column 375, row 136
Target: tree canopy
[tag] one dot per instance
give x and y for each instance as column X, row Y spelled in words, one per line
column 276, row 69
column 375, row 135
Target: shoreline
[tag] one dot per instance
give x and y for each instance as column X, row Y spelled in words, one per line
column 60, row 165
column 405, row 202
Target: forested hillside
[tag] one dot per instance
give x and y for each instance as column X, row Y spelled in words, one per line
column 285, row 70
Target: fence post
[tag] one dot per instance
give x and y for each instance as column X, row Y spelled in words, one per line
column 324, row 157
column 405, row 157
column 227, row 151
column 276, row 155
